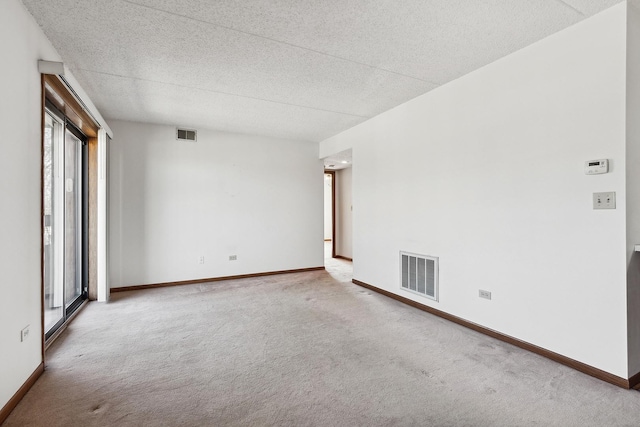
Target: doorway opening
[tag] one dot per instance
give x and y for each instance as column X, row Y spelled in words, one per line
column 338, row 208
column 337, row 265
column 329, row 213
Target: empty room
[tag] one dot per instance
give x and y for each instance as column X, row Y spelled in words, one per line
column 320, row 213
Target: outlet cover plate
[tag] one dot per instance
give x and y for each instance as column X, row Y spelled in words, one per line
column 484, row 294
column 24, row 334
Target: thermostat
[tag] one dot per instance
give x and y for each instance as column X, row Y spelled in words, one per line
column 594, row 167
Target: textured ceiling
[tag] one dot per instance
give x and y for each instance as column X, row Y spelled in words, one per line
column 286, row 68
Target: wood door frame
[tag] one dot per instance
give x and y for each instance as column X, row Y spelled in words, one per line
column 333, row 211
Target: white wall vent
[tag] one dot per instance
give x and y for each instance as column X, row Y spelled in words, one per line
column 419, row 274
column 186, row 134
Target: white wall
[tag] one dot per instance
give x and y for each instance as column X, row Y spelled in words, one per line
column 486, row 173
column 226, row 194
column 633, row 183
column 328, row 208
column 344, row 232
column 21, row 45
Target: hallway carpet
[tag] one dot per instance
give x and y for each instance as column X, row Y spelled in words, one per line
column 303, row 349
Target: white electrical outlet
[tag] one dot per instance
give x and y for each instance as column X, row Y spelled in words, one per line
column 24, row 334
column 484, row 294
column 201, row 259
column 233, row 257
column 604, row 200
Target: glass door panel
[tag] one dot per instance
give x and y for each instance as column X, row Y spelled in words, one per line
column 53, row 289
column 72, row 218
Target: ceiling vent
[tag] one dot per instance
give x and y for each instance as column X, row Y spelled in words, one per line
column 186, row 134
column 419, row 274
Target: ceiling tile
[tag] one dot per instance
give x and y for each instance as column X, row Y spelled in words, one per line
column 432, row 40
column 296, row 69
column 137, row 100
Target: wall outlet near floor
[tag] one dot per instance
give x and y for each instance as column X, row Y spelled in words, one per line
column 201, row 259
column 24, row 334
column 484, row 294
column 233, row 257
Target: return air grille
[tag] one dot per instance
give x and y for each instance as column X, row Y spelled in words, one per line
column 186, row 134
column 419, row 274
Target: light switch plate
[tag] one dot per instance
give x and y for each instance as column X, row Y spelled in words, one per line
column 604, row 200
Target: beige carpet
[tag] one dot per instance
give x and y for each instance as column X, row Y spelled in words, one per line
column 308, row 349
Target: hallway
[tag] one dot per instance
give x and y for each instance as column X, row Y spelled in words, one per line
column 339, row 269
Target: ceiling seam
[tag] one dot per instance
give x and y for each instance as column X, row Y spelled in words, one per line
column 224, row 93
column 281, row 42
column 571, row 7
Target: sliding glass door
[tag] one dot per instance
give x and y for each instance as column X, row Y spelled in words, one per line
column 65, row 284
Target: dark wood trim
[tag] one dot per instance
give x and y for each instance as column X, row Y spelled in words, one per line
column 58, row 94
column 579, row 366
column 22, row 391
column 212, row 279
column 92, row 229
column 344, row 257
column 634, row 381
column 333, row 211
